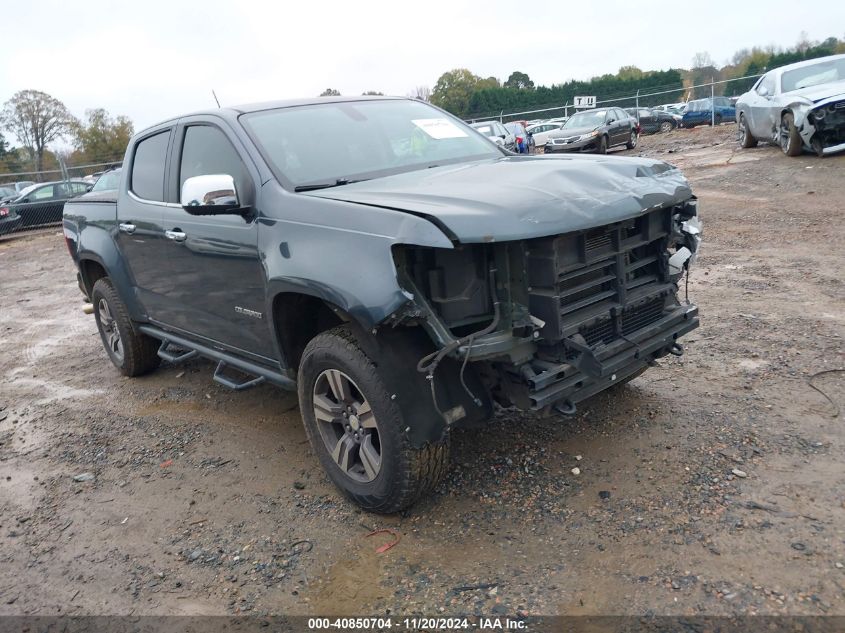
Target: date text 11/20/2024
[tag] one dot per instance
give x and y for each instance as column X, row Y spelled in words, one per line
column 417, row 624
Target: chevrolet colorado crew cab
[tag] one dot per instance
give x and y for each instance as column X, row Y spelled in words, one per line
column 397, row 269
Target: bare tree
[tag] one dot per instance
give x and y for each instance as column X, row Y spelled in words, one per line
column 702, row 60
column 36, row 119
column 423, row 93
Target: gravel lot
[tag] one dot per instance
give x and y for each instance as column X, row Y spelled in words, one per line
column 713, row 484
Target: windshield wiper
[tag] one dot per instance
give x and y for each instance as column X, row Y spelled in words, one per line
column 326, row 185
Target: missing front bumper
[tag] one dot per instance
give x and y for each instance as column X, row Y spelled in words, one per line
column 566, row 382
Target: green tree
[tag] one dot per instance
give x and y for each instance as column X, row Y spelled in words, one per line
column 10, row 158
column 36, row 119
column 330, row 92
column 519, row 80
column 100, row 137
column 454, row 89
column 627, row 73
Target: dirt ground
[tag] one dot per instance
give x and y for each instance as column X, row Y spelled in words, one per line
column 713, row 484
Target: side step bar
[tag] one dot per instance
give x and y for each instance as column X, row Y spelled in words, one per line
column 223, row 359
column 174, row 357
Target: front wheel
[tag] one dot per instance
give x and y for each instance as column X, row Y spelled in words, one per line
column 790, row 140
column 358, row 430
column 746, row 140
column 602, row 149
column 632, row 143
column 130, row 351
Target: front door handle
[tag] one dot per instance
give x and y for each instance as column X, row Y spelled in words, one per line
column 126, row 228
column 176, row 235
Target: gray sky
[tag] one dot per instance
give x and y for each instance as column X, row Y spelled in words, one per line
column 152, row 59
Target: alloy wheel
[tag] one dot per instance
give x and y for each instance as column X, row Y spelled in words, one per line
column 347, row 425
column 110, row 331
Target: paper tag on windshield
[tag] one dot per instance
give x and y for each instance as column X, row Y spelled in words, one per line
column 439, row 128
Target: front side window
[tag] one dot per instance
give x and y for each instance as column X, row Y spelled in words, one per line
column 330, row 142
column 767, row 85
column 206, row 151
column 148, row 167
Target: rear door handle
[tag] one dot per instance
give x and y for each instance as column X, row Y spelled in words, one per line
column 126, row 228
column 176, row 235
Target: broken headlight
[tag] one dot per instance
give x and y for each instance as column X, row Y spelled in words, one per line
column 686, row 235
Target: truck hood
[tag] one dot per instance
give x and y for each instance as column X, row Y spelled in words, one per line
column 521, row 197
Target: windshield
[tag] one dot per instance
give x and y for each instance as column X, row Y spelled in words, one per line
column 486, row 130
column 587, row 118
column 26, row 190
column 822, row 73
column 336, row 142
column 108, row 181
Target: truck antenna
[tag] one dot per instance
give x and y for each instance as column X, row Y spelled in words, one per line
column 215, row 97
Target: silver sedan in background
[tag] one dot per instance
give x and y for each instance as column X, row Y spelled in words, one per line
column 799, row 106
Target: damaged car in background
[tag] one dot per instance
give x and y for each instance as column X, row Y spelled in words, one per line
column 402, row 272
column 799, row 106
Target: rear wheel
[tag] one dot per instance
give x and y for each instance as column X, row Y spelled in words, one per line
column 632, row 143
column 790, row 140
column 746, row 140
column 358, row 430
column 666, row 126
column 130, row 351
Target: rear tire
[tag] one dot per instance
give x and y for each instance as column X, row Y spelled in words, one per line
column 746, row 140
column 666, row 126
column 385, row 473
column 130, row 351
column 790, row 140
column 633, row 142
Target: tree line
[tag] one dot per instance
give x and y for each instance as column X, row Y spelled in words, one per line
column 38, row 119
column 469, row 96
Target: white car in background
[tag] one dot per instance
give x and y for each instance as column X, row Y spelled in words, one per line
column 540, row 131
column 799, row 106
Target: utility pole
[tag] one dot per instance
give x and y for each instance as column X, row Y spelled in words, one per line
column 712, row 103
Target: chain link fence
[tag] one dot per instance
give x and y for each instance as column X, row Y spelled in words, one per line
column 36, row 199
column 639, row 99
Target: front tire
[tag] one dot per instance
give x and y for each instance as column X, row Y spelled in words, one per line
column 358, row 431
column 790, row 140
column 746, row 140
column 130, row 351
column 602, row 149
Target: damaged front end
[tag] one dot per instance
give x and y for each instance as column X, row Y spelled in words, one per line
column 823, row 128
column 550, row 321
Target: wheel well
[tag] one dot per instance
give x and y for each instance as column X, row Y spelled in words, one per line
column 91, row 272
column 298, row 318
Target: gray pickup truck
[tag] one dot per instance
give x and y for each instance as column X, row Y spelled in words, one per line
column 392, row 265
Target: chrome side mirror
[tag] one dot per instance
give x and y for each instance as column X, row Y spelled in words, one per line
column 763, row 91
column 213, row 194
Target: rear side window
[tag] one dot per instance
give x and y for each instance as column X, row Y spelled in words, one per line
column 148, row 167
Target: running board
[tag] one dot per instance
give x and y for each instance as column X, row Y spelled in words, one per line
column 225, row 358
column 174, row 357
column 231, row 384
